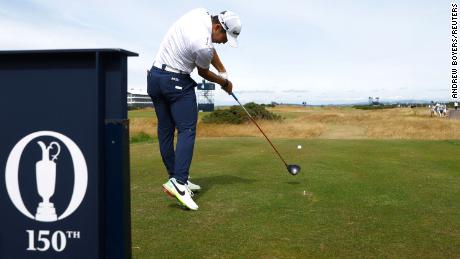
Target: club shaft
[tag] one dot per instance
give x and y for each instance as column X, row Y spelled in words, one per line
column 254, row 121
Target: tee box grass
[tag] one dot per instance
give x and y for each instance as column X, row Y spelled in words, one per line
column 353, row 198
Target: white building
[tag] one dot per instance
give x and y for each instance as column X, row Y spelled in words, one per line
column 138, row 99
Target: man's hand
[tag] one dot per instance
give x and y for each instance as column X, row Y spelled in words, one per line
column 227, row 86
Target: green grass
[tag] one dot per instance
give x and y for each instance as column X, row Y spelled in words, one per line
column 143, row 113
column 141, row 137
column 364, row 198
column 150, row 114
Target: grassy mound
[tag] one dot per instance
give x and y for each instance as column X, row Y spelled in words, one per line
column 140, row 137
column 236, row 114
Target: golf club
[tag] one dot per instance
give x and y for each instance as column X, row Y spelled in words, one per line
column 292, row 169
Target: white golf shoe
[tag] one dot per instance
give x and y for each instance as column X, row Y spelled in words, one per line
column 193, row 187
column 181, row 192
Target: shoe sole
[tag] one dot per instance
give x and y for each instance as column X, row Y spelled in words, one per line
column 170, row 193
column 172, row 196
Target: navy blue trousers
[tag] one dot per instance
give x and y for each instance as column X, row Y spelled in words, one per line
column 173, row 96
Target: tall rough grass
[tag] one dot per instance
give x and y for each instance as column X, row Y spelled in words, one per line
column 329, row 123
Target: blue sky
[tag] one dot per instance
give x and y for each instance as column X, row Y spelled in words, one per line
column 321, row 52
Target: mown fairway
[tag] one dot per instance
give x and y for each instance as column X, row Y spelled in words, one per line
column 353, row 198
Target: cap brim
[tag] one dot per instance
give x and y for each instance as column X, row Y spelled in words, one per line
column 232, row 40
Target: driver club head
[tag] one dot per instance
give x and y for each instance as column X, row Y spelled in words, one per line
column 293, row 169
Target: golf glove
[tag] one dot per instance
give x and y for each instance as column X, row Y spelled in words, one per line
column 223, row 75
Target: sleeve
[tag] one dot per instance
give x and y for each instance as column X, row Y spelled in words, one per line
column 204, row 57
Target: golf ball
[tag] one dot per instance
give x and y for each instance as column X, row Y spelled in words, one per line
column 299, row 147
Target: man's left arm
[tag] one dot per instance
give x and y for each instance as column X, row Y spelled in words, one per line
column 210, row 76
column 207, row 57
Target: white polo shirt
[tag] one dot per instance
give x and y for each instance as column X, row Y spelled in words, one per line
column 188, row 43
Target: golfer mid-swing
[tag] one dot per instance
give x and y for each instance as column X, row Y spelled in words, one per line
column 187, row 44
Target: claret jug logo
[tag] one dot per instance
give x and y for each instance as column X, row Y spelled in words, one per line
column 46, row 172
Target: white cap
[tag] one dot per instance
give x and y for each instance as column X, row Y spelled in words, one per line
column 231, row 23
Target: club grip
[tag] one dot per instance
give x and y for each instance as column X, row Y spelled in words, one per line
column 234, row 96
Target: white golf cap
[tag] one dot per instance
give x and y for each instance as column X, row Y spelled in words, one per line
column 231, row 23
